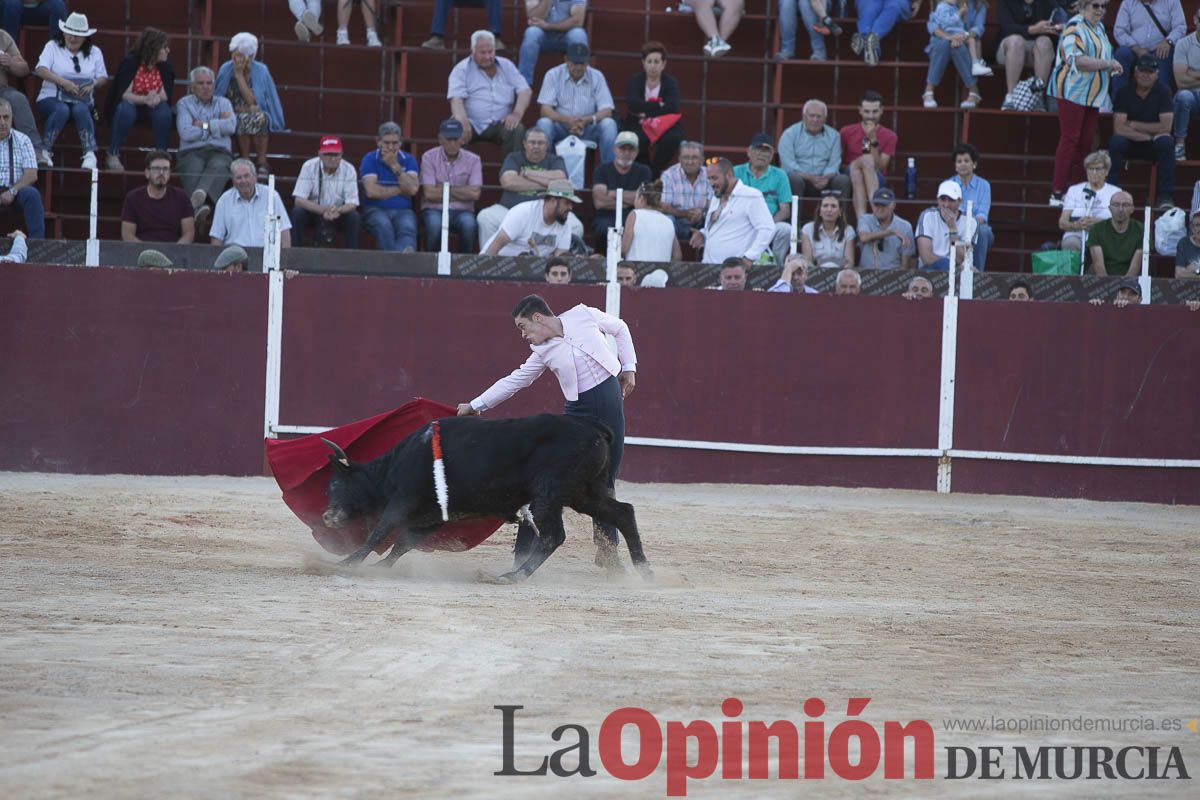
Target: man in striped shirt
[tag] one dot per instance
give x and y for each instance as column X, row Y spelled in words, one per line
column 686, row 190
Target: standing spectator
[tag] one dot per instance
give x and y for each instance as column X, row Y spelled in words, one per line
column 1115, row 244
column 575, row 101
column 788, row 29
column 686, row 191
column 828, row 240
column 848, row 282
column 206, row 124
column 623, row 172
column 1147, row 28
column 717, row 33
column 978, row 192
column 943, row 232
column 1020, row 291
column 141, row 92
column 794, row 277
column 1142, row 115
column 732, row 277
column 886, row 241
column 758, row 173
column 326, row 195
column 538, row 227
column 1080, row 82
column 488, row 96
column 554, row 25
column 14, row 65
column 524, row 176
column 558, row 271
column 19, row 172
column 1027, row 35
column 867, row 151
column 25, row 12
column 1187, row 78
column 368, row 14
column 72, row 69
column 876, row 19
column 441, row 14
column 158, row 211
column 233, row 259
column 1187, row 252
column 649, row 234
column 463, row 170
column 249, row 86
column 652, row 100
column 948, row 42
column 626, row 276
column 308, row 18
column 737, row 223
column 390, row 178
column 811, row 154
column 1087, row 203
column 919, row 288
column 241, row 214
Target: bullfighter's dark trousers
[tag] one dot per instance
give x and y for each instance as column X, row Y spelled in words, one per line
column 604, row 403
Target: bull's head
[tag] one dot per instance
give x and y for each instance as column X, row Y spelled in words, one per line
column 346, row 497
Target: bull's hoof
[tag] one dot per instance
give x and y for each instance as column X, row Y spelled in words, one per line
column 506, row 579
column 647, row 573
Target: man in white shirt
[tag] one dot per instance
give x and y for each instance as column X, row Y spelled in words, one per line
column 943, row 228
column 326, row 196
column 241, row 213
column 536, row 227
column 737, row 222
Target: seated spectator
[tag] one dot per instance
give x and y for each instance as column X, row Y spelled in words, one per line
column 1128, row 293
column 248, row 85
column 72, row 69
column 524, row 176
column 488, row 96
column 232, row 259
column 716, row 33
column 848, row 282
column 1187, row 252
column 368, row 15
column 14, row 65
column 886, row 240
column 919, row 288
column 794, row 277
column 1147, row 28
column 943, row 232
column 141, row 93
column 390, row 178
column 828, row 241
column 538, row 227
column 1186, row 66
column 558, row 271
column 308, row 18
column 867, row 151
column 1027, row 38
column 158, row 211
column 1115, row 244
column 876, row 19
column 575, row 101
column 652, row 101
column 737, row 223
column 241, row 214
column 326, row 197
column 977, row 192
column 626, row 276
column 649, row 234
column 623, row 172
column 205, row 124
column 19, row 173
column 1142, row 116
column 788, row 29
column 554, row 25
column 441, row 14
column 810, row 152
column 948, row 40
column 1087, row 203
column 28, row 12
column 463, row 170
column 19, row 252
column 975, row 20
column 758, row 173
column 732, row 277
column 1020, row 291
column 686, row 191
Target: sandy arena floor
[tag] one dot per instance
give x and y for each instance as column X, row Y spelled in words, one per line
column 181, row 638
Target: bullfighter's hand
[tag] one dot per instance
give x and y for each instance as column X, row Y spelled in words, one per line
column 465, row 410
column 627, row 381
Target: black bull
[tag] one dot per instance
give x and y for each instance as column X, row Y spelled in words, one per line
column 493, row 469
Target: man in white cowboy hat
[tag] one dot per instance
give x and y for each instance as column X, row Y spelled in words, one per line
column 28, row 12
column 536, row 227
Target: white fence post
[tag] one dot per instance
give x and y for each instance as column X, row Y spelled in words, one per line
column 946, row 399
column 444, row 253
column 92, row 252
column 1144, row 279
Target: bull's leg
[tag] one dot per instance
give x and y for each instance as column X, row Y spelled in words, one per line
column 405, row 542
column 604, row 536
column 551, row 535
column 388, row 521
column 602, row 508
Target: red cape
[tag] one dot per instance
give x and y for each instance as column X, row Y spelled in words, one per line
column 301, row 468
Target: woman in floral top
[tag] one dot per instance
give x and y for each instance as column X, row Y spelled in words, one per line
column 141, row 93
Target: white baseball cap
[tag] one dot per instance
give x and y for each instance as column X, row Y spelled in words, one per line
column 950, row 189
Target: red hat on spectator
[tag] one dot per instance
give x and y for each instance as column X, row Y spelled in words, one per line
column 330, row 144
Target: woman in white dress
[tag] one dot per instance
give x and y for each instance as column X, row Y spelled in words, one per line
column 828, row 241
column 649, row 234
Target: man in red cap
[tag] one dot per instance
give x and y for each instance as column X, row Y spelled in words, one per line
column 326, row 196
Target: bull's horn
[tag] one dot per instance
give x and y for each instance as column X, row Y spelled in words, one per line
column 338, row 452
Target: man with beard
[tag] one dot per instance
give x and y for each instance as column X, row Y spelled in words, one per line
column 537, row 227
column 623, row 172
column 737, row 222
column 158, row 212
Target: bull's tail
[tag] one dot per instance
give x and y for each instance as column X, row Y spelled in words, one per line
column 600, row 426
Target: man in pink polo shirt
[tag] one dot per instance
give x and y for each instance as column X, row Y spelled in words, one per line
column 594, row 380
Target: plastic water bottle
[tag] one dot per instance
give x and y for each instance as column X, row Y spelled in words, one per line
column 910, row 180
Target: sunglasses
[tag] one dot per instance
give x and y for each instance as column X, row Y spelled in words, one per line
column 75, row 60
column 1098, row 6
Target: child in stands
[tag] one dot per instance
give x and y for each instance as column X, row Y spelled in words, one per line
column 948, row 42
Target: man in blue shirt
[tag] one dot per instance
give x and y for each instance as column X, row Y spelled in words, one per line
column 390, row 178
column 978, row 192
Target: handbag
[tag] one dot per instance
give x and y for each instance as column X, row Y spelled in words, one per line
column 655, row 127
column 1028, row 95
column 1056, row 262
column 1168, row 230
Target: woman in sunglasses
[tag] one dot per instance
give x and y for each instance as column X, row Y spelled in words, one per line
column 71, row 69
column 1083, row 67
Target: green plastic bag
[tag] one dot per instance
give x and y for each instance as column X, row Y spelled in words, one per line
column 1056, row 262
